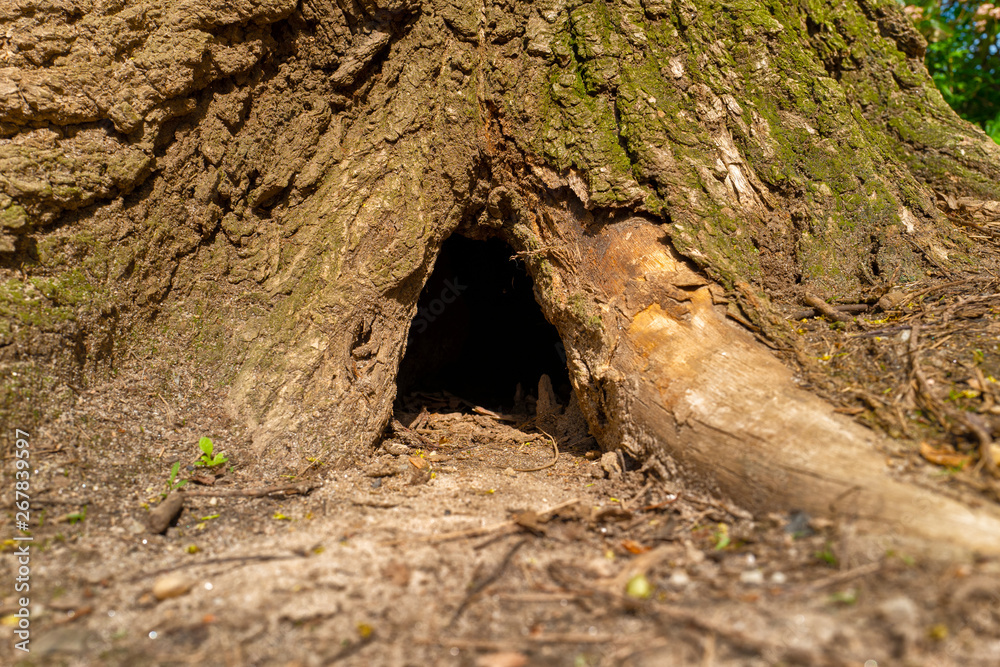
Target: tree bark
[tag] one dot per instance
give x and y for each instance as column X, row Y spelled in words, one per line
column 263, row 187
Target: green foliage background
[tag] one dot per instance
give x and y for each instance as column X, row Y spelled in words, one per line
column 962, row 56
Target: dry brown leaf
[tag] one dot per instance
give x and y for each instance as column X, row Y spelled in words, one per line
column 634, row 547
column 419, row 463
column 944, row 457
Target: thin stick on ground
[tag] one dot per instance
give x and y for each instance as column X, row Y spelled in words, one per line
column 973, row 423
column 923, row 387
column 555, row 456
column 826, row 309
column 492, row 577
column 840, row 577
column 279, row 490
column 476, row 532
column 215, row 561
column 491, row 645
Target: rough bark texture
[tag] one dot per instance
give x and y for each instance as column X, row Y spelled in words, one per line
column 269, row 183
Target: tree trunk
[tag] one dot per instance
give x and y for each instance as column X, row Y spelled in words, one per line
column 263, row 187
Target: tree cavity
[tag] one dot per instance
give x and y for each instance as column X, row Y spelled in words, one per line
column 479, row 334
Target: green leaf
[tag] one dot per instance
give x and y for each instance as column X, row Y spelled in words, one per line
column 76, row 517
column 206, row 446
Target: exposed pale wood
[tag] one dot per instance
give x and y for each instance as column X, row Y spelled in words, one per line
column 683, row 381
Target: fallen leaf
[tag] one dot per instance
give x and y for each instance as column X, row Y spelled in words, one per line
column 944, row 457
column 634, row 547
column 419, row 463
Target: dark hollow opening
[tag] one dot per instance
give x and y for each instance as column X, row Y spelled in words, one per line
column 478, row 332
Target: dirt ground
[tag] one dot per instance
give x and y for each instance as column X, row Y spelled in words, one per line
column 437, row 550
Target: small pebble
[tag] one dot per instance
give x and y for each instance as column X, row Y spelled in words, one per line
column 798, row 525
column 779, row 578
column 610, row 465
column 679, row 579
column 171, row 586
column 395, row 448
column 900, row 610
column 752, row 577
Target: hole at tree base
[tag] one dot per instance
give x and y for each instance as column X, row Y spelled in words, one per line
column 479, row 333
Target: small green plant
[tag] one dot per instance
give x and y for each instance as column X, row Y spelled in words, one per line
column 848, row 597
column 207, row 459
column 171, row 483
column 77, row 517
column 827, row 556
column 721, row 537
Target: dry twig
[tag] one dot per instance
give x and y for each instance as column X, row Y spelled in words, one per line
column 826, row 309
column 280, row 490
column 555, row 456
column 486, row 581
column 477, row 532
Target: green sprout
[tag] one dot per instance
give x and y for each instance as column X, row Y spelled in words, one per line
column 171, row 483
column 827, row 556
column 207, row 459
column 721, row 537
column 77, row 517
column 848, row 597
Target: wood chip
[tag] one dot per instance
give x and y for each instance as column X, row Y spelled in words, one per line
column 160, row 518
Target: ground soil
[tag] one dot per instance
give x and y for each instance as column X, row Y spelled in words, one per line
column 436, row 550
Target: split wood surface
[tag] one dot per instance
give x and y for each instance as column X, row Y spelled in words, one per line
column 689, row 384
